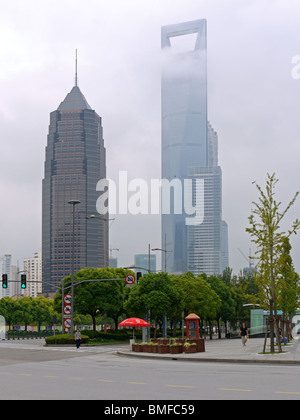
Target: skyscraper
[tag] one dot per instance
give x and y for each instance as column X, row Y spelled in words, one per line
column 75, row 162
column 190, row 152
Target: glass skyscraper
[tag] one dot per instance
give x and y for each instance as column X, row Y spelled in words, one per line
column 190, row 152
column 75, row 162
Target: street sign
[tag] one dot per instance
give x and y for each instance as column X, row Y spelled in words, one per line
column 67, row 323
column 68, row 298
column 130, row 279
column 67, row 309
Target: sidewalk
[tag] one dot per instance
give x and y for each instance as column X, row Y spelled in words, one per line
column 232, row 351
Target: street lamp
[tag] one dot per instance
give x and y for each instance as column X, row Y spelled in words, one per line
column 164, row 314
column 165, row 251
column 101, row 217
column 104, row 219
column 73, row 202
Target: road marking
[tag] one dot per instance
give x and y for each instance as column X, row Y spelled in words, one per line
column 137, row 383
column 49, row 376
column 3, row 373
column 104, row 380
column 182, row 386
column 287, row 392
column 25, row 374
column 235, row 389
column 78, row 379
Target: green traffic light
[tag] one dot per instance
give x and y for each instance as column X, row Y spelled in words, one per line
column 23, row 281
column 4, row 281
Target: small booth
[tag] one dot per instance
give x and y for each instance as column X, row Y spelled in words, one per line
column 192, row 332
column 192, row 326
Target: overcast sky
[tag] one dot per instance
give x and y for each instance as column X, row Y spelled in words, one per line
column 253, row 104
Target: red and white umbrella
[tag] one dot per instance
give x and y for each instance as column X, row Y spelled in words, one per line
column 134, row 322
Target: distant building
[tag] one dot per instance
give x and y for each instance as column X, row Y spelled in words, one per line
column 113, row 262
column 75, row 162
column 225, row 251
column 33, row 271
column 190, row 152
column 141, row 261
column 6, row 268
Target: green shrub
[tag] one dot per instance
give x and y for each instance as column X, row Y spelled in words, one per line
column 65, row 339
column 108, row 335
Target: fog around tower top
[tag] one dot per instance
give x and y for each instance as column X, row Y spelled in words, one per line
column 253, row 103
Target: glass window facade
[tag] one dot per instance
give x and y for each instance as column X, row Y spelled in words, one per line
column 190, row 151
column 75, row 161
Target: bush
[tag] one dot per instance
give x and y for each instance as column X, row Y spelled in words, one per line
column 65, row 339
column 123, row 335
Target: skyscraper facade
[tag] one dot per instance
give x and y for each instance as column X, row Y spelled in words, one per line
column 190, row 151
column 75, row 162
column 33, row 270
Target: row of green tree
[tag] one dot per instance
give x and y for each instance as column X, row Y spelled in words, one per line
column 216, row 299
column 27, row 311
column 276, row 277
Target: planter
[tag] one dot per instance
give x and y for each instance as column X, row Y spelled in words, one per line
column 154, row 348
column 180, row 340
column 163, row 348
column 144, row 347
column 151, row 348
column 192, row 348
column 164, row 341
column 148, row 348
column 137, row 347
column 176, row 349
column 200, row 343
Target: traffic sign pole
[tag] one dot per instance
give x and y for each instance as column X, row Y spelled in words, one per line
column 130, row 280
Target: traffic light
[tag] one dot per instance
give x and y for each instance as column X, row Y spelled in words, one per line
column 138, row 275
column 4, row 281
column 23, row 281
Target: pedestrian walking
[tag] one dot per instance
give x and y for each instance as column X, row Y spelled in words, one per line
column 78, row 338
column 244, row 334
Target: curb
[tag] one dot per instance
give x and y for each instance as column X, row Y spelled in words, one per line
column 210, row 360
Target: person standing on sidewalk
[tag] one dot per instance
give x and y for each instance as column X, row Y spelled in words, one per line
column 244, row 333
column 78, row 338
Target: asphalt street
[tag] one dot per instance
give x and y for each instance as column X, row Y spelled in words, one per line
column 29, row 371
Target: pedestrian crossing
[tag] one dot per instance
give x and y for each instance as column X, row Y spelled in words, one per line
column 41, row 346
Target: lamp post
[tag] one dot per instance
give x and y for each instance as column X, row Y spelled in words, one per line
column 164, row 314
column 104, row 219
column 73, row 202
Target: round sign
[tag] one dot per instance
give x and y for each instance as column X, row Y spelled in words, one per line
column 67, row 309
column 67, row 298
column 130, row 279
column 67, row 323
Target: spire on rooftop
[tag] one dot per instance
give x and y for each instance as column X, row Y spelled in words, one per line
column 75, row 100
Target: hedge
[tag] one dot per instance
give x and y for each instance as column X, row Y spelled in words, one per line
column 109, row 335
column 65, row 339
column 30, row 334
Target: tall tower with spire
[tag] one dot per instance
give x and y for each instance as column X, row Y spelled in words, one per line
column 75, row 162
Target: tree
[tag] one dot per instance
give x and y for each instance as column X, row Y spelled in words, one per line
column 289, row 286
column 7, row 307
column 226, row 310
column 95, row 298
column 41, row 310
column 23, row 311
column 264, row 228
column 197, row 295
column 156, row 293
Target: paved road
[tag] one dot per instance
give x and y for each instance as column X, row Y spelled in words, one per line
column 30, row 371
